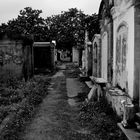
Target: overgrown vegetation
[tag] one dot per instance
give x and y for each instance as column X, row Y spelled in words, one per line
column 20, row 98
column 99, row 117
column 96, row 116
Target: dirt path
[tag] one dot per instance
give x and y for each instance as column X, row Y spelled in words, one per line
column 57, row 116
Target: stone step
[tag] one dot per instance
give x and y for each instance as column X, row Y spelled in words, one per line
column 137, row 126
column 131, row 134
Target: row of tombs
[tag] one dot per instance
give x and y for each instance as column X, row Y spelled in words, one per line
column 112, row 58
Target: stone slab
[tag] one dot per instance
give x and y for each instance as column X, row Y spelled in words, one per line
column 89, row 84
column 92, row 92
column 98, row 80
column 74, row 86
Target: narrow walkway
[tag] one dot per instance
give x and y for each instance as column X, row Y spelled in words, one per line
column 57, row 117
column 73, row 87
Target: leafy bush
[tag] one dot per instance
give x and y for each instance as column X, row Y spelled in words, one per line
column 101, row 120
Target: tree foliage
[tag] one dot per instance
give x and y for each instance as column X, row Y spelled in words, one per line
column 92, row 25
column 27, row 23
column 67, row 28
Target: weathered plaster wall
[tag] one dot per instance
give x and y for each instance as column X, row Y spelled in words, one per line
column 89, row 59
column 115, row 98
column 53, row 56
column 75, row 55
column 11, row 58
column 123, row 13
column 110, row 51
column 106, row 26
column 86, row 58
column 83, row 60
column 15, row 58
column 27, row 69
column 126, row 17
column 104, row 58
column 137, row 53
column 88, row 55
column 96, row 55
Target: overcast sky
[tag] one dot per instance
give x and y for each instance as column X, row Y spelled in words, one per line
column 9, row 9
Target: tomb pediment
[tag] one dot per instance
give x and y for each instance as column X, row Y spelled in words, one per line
column 122, row 3
column 120, row 6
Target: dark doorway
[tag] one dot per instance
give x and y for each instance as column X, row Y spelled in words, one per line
column 42, row 59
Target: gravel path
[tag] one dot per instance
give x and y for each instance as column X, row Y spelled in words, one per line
column 63, row 116
column 57, row 117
